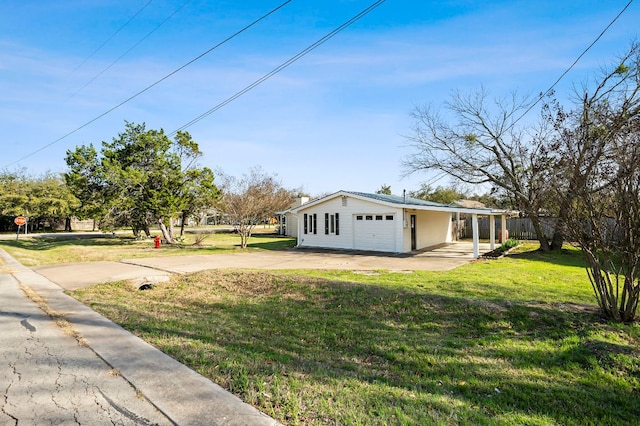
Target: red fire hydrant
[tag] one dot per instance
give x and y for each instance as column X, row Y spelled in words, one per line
column 157, row 241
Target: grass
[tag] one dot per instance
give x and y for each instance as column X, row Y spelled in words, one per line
column 514, row 341
column 35, row 250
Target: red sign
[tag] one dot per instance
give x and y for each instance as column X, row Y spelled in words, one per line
column 20, row 220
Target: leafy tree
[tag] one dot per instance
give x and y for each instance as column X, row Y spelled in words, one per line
column 480, row 143
column 491, row 200
column 597, row 182
column 87, row 180
column 199, row 192
column 252, row 199
column 140, row 178
column 14, row 199
column 42, row 199
column 442, row 195
column 384, row 189
column 51, row 200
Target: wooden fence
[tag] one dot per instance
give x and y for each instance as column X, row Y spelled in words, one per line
column 519, row 228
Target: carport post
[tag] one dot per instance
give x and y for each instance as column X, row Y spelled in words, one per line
column 492, row 232
column 503, row 229
column 476, row 242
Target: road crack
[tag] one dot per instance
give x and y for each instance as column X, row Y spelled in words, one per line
column 5, row 396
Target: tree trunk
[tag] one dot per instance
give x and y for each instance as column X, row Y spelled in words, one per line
column 145, row 228
column 245, row 232
column 537, row 226
column 184, row 218
column 165, row 233
column 67, row 224
column 557, row 240
column 561, row 227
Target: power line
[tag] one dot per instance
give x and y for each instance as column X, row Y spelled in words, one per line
column 77, row 129
column 131, row 48
column 280, row 67
column 112, row 36
column 439, row 175
column 550, row 89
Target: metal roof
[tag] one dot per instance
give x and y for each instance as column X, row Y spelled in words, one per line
column 397, row 199
column 400, row 202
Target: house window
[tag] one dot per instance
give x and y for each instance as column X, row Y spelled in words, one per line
column 326, row 223
column 358, row 217
column 331, row 223
column 389, row 217
column 310, row 223
column 368, row 217
column 379, row 217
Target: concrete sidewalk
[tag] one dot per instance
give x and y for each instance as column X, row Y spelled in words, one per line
column 148, row 387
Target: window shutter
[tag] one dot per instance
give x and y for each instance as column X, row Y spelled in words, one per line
column 305, row 223
column 326, row 223
column 315, row 223
column 337, row 225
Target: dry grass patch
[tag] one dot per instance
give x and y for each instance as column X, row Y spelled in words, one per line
column 60, row 319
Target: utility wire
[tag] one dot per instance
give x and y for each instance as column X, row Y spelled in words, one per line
column 439, row 175
column 280, row 67
column 112, row 36
column 130, row 49
column 77, row 129
column 550, row 89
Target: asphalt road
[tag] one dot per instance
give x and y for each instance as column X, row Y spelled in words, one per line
column 47, row 377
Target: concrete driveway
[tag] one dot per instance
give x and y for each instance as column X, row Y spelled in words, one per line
column 76, row 275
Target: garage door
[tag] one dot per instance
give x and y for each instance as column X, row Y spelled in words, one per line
column 374, row 232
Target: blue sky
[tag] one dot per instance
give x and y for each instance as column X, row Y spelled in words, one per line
column 333, row 120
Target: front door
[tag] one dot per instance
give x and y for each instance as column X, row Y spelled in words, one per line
column 413, row 232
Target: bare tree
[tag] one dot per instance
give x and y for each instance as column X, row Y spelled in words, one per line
column 598, row 176
column 252, row 199
column 479, row 143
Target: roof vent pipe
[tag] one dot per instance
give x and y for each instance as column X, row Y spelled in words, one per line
column 404, row 196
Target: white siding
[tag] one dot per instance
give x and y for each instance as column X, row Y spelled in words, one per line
column 389, row 239
column 292, row 225
column 292, row 218
column 432, row 228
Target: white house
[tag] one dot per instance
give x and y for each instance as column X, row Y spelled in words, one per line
column 288, row 222
column 376, row 222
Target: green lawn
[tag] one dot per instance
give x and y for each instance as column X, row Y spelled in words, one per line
column 33, row 251
column 503, row 342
